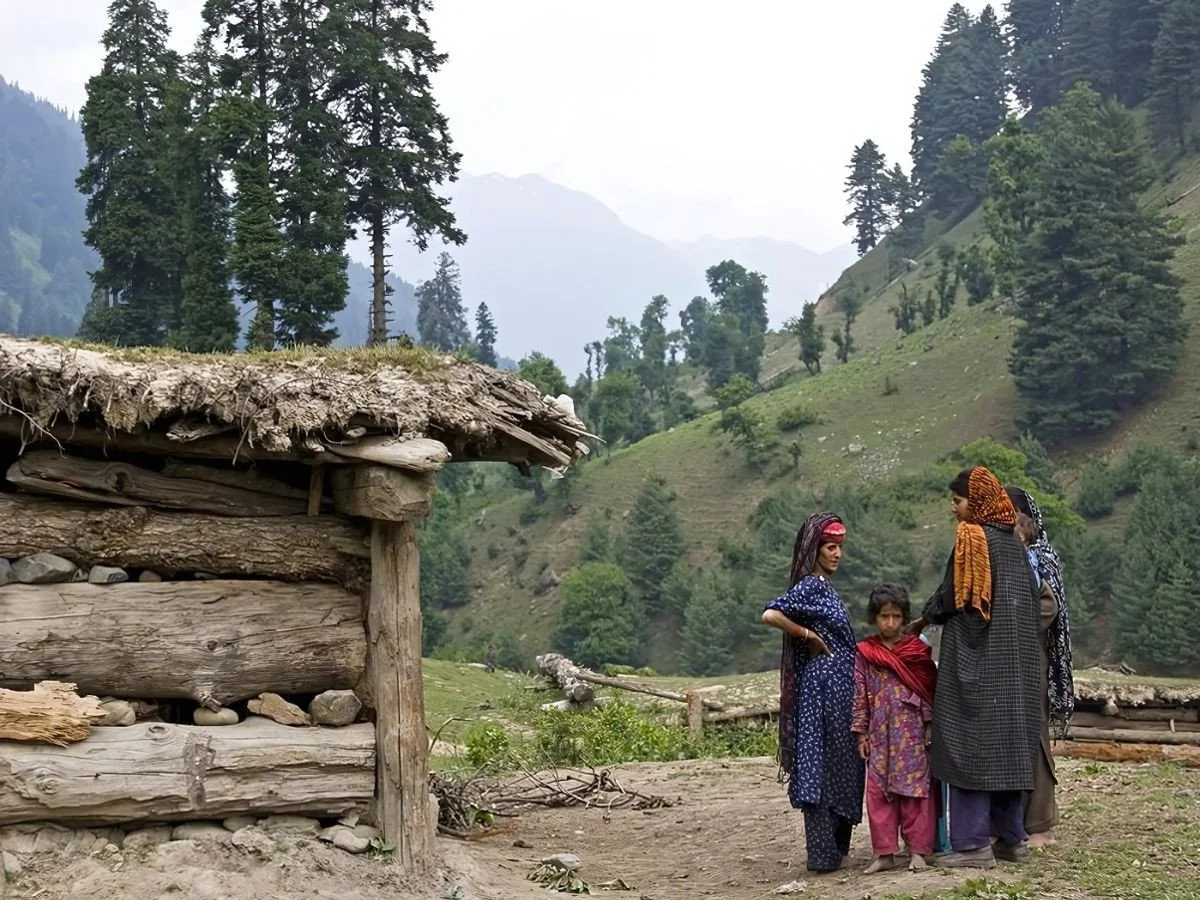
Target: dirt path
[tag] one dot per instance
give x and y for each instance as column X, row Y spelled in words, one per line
column 732, row 836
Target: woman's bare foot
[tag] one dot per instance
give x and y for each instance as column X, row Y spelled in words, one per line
column 917, row 863
column 880, row 864
column 1045, row 839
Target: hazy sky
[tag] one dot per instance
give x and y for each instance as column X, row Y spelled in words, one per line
column 687, row 117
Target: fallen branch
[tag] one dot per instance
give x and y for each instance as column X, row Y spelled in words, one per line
column 567, row 676
column 1188, row 757
column 1131, row 736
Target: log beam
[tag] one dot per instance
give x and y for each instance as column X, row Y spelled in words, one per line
column 414, row 455
column 322, row 548
column 382, row 493
column 50, row 472
column 215, row 642
column 1132, row 736
column 157, row 772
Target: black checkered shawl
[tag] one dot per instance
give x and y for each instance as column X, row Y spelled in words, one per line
column 986, row 710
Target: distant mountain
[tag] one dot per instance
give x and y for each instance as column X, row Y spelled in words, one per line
column 44, row 283
column 554, row 263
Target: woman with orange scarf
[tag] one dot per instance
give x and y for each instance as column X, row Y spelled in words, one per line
column 986, row 727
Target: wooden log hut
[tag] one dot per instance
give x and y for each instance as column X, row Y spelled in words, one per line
column 205, row 530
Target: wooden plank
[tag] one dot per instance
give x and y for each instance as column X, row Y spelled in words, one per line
column 415, row 454
column 51, row 713
column 380, row 492
column 1186, row 756
column 325, row 548
column 1159, row 723
column 394, row 636
column 249, row 479
column 49, row 472
column 1133, row 736
column 215, row 642
column 316, row 488
column 158, row 772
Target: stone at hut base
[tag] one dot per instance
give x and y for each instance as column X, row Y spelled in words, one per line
column 117, row 714
column 285, row 824
column 274, row 707
column 345, row 839
column 148, row 577
column 223, row 716
column 107, row 575
column 335, row 708
column 566, row 862
column 6, row 573
column 145, row 838
column 237, row 823
column 43, row 568
column 253, row 840
column 12, row 866
column 200, row 831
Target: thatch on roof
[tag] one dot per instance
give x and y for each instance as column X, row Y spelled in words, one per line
column 291, row 403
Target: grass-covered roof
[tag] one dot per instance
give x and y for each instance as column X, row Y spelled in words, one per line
column 291, row 402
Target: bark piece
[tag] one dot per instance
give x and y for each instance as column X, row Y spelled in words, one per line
column 51, row 713
column 274, row 707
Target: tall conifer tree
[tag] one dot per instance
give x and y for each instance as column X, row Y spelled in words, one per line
column 1175, row 74
column 867, row 186
column 441, row 317
column 129, row 211
column 398, row 141
column 1101, row 310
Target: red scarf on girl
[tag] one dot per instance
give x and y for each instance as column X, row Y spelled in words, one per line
column 910, row 658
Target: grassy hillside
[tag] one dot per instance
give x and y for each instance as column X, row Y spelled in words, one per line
column 950, row 386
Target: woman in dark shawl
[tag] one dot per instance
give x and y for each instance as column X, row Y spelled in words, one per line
column 985, row 712
column 818, row 756
column 1057, row 701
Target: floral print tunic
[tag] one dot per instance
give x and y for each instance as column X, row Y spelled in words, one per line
column 894, row 718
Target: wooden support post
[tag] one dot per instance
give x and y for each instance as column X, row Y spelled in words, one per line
column 394, row 642
column 316, row 487
column 695, row 715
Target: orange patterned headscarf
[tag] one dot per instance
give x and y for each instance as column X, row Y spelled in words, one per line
column 989, row 505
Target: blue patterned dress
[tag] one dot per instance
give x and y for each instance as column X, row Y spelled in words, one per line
column 826, row 778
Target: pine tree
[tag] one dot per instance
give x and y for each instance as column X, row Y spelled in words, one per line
column 850, row 303
column 906, row 312
column 652, row 364
column 867, row 186
column 485, row 335
column 245, row 35
column 1035, row 30
column 1016, row 158
column 1110, row 45
column 129, row 211
column 810, row 336
column 706, row 640
column 741, row 302
column 654, row 539
column 597, row 544
column 310, row 180
column 207, row 320
column 1166, row 638
column 963, row 92
column 949, row 278
column 1101, row 310
column 441, row 318
column 902, row 197
column 694, row 320
column 1175, row 74
column 399, row 148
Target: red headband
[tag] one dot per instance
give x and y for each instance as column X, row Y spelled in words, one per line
column 833, row 533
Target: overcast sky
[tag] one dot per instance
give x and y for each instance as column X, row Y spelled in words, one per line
column 687, row 117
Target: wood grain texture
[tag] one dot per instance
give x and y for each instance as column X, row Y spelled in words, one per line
column 292, row 548
column 215, row 642
column 159, row 772
column 50, row 472
column 380, row 492
column 394, row 635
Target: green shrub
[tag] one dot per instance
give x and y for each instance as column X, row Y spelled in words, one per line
column 1097, row 491
column 797, row 416
column 487, row 745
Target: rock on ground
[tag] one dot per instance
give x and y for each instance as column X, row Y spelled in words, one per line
column 43, row 568
column 6, row 575
column 223, row 716
column 336, row 708
column 107, row 575
column 117, row 713
column 200, row 831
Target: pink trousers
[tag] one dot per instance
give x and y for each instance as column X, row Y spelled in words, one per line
column 913, row 817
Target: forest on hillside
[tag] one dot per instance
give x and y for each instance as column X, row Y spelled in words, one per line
column 1055, row 120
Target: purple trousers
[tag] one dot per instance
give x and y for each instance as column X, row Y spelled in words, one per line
column 978, row 816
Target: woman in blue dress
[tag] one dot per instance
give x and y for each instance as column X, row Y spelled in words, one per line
column 818, row 755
